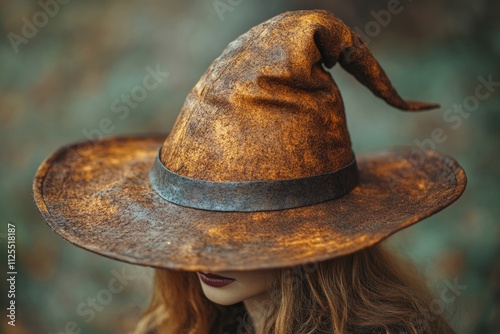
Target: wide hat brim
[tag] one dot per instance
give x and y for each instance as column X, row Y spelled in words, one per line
column 97, row 196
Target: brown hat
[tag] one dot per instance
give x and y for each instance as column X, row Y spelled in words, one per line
column 258, row 171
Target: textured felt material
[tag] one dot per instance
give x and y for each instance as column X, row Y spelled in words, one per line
column 266, row 109
column 97, row 196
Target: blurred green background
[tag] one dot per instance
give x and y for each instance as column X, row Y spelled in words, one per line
column 59, row 81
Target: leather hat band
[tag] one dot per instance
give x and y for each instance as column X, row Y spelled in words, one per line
column 248, row 196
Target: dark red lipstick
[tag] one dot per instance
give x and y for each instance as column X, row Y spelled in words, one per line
column 214, row 280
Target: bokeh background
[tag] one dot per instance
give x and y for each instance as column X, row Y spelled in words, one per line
column 59, row 80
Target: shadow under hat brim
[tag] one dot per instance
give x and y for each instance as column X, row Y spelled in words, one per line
column 97, row 196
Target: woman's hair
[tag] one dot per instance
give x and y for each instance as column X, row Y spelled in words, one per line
column 370, row 291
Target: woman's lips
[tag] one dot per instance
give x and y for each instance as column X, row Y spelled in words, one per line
column 214, row 280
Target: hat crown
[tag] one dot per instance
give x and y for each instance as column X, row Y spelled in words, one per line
column 266, row 109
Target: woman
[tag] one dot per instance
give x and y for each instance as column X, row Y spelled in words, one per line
column 370, row 291
column 258, row 183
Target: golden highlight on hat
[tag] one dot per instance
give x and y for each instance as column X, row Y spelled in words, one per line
column 265, row 113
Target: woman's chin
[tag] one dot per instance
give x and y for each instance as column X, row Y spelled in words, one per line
column 220, row 299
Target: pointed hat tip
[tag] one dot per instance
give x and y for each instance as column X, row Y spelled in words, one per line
column 419, row 106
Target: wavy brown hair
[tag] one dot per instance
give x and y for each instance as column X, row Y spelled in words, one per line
column 370, row 291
